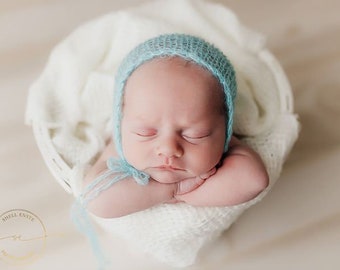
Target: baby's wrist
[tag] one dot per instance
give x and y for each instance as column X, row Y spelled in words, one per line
column 168, row 191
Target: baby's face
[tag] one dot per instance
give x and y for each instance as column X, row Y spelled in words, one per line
column 173, row 124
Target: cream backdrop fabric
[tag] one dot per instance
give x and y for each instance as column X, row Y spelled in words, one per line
column 70, row 109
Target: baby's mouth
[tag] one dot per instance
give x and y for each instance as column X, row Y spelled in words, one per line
column 168, row 168
column 167, row 174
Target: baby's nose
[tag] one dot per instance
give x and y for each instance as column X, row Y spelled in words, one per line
column 170, row 147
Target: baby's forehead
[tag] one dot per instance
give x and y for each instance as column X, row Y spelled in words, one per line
column 174, row 66
column 152, row 73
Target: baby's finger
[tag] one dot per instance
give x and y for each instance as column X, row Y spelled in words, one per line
column 188, row 185
column 208, row 174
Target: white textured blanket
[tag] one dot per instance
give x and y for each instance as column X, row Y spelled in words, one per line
column 70, row 109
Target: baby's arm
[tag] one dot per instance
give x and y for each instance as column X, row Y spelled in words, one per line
column 240, row 178
column 126, row 196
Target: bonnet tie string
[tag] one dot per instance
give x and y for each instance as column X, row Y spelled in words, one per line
column 118, row 169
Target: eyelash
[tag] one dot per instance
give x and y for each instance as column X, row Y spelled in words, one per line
column 186, row 137
column 146, row 135
column 194, row 138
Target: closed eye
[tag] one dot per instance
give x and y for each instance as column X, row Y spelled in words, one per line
column 195, row 137
column 145, row 133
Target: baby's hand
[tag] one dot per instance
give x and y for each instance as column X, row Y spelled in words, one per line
column 206, row 175
column 189, row 184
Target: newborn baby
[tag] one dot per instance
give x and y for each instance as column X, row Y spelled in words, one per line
column 174, row 124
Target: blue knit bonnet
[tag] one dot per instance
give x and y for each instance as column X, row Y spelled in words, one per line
column 188, row 47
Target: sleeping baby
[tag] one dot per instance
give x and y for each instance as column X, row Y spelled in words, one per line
column 172, row 133
column 171, row 161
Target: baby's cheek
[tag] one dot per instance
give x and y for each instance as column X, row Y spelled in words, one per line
column 133, row 159
column 131, row 152
column 207, row 160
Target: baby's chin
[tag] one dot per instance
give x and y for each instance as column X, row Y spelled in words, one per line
column 168, row 177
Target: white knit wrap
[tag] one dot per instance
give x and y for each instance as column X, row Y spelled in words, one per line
column 70, row 109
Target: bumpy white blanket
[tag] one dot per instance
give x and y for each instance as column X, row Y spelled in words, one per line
column 70, row 108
